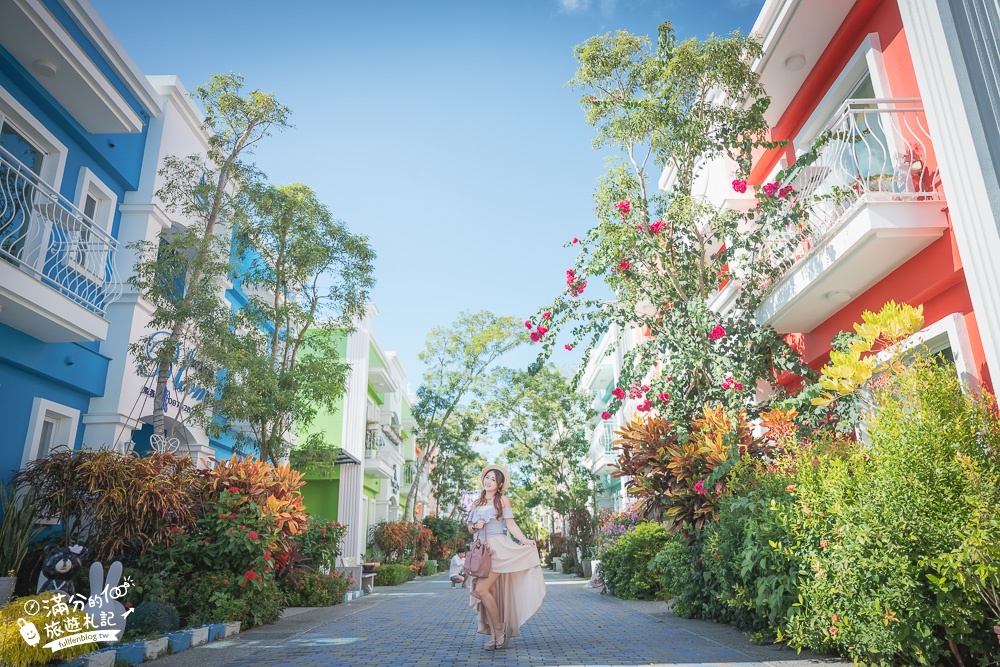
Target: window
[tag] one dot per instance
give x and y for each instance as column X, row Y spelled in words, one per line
column 52, row 425
column 87, row 252
column 20, row 159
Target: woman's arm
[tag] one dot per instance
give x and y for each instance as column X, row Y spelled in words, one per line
column 513, row 529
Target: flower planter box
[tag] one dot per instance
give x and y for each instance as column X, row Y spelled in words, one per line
column 100, row 659
column 132, row 654
column 156, row 647
column 216, row 631
column 178, row 641
column 232, row 628
column 199, row 636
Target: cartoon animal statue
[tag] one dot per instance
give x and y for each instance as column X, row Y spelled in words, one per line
column 104, row 606
column 60, row 567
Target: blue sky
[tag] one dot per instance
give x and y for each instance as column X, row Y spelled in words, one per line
column 439, row 128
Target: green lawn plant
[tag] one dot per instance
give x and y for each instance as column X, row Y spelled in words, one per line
column 624, row 567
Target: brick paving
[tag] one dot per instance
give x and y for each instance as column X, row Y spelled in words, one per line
column 427, row 623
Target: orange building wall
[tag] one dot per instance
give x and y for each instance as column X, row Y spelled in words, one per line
column 934, row 277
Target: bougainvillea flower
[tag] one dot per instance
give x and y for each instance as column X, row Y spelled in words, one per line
column 624, row 207
column 542, row 331
column 785, row 191
column 645, row 406
column 535, row 336
column 657, row 226
column 624, row 265
column 618, row 393
column 717, row 333
column 528, row 324
column 770, row 188
column 575, row 240
column 740, row 185
column 568, row 347
column 605, row 416
column 664, row 397
column 638, row 228
column 546, row 315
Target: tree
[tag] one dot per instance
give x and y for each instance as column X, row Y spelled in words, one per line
column 541, row 420
column 457, row 360
column 457, row 465
column 308, row 278
column 666, row 255
column 182, row 274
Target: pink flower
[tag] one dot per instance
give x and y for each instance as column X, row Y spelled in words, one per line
column 738, row 386
column 717, row 333
column 740, row 185
column 570, row 276
column 605, row 416
column 568, row 347
column 546, row 315
column 535, row 336
column 528, row 324
column 624, row 265
column 542, row 331
column 823, row 544
column 657, row 226
column 790, row 488
column 833, row 630
column 699, row 487
column 618, row 393
column 645, row 406
column 624, row 207
column 575, row 240
column 664, row 397
column 770, row 188
column 645, row 388
column 785, row 191
column 638, row 228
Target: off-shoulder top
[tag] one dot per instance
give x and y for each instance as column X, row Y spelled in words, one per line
column 488, row 513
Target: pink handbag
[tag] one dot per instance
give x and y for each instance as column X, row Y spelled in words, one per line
column 478, row 561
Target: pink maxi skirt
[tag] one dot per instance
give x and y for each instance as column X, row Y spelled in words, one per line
column 519, row 589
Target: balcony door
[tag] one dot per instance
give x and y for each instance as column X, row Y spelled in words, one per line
column 20, row 162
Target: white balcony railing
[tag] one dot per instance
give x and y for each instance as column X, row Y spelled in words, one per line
column 44, row 235
column 878, row 151
column 606, row 439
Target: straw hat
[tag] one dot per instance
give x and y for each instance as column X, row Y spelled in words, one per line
column 502, row 469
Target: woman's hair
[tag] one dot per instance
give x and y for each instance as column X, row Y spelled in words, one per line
column 496, row 496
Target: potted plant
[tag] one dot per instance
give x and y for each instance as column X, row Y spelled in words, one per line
column 17, row 530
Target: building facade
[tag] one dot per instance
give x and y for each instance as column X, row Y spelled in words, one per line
column 74, row 119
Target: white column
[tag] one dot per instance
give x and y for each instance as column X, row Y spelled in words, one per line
column 970, row 181
column 351, row 508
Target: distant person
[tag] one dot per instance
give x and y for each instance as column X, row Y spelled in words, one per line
column 515, row 587
column 457, row 572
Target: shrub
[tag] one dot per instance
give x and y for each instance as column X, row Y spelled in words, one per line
column 319, row 544
column 394, row 539
column 444, row 565
column 216, row 597
column 611, row 526
column 430, row 567
column 314, row 589
column 625, row 566
column 874, row 523
column 15, row 652
column 154, row 618
column 448, row 536
column 391, row 574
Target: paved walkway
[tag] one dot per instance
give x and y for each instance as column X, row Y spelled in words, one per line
column 427, row 623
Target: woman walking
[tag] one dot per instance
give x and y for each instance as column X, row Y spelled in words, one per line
column 514, row 589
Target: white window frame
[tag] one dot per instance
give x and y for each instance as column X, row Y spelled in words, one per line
column 866, row 60
column 88, row 184
column 54, row 162
column 948, row 332
column 67, row 421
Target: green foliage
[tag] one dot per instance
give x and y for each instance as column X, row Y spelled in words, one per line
column 613, row 525
column 307, row 272
column 430, row 567
column 447, row 536
column 457, row 361
column 457, row 465
column 311, row 588
column 876, row 522
column 625, row 566
column 17, row 527
column 154, row 618
column 319, row 545
column 209, row 596
column 15, row 652
column 390, row 574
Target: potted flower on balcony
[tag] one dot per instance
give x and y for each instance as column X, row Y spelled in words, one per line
column 17, row 530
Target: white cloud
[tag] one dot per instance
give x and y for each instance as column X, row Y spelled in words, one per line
column 573, row 6
column 608, row 7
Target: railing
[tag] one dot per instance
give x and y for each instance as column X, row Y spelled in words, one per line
column 878, row 150
column 47, row 237
column 408, row 472
column 606, row 438
column 373, row 443
column 394, row 436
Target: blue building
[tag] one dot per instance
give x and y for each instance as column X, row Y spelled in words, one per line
column 74, row 116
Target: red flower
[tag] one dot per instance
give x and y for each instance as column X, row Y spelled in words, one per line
column 322, row 531
column 231, row 531
column 175, row 529
column 645, row 388
column 740, row 185
column 527, row 324
column 542, row 331
column 223, row 516
column 233, row 489
column 657, row 226
column 546, row 315
column 618, row 393
column 833, row 630
column 253, row 535
column 717, row 333
column 835, row 618
column 624, row 265
column 575, row 240
column 624, row 207
column 535, row 337
column 338, row 524
column 267, row 555
column 638, row 228
column 790, row 488
column 206, row 540
column 823, row 544
column 249, row 575
column 568, row 347
column 770, row 188
column 645, row 406
column 232, row 515
column 330, row 523
column 663, row 398
column 605, row 416
column 785, row 191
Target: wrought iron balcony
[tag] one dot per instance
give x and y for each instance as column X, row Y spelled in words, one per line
column 875, row 203
column 48, row 238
